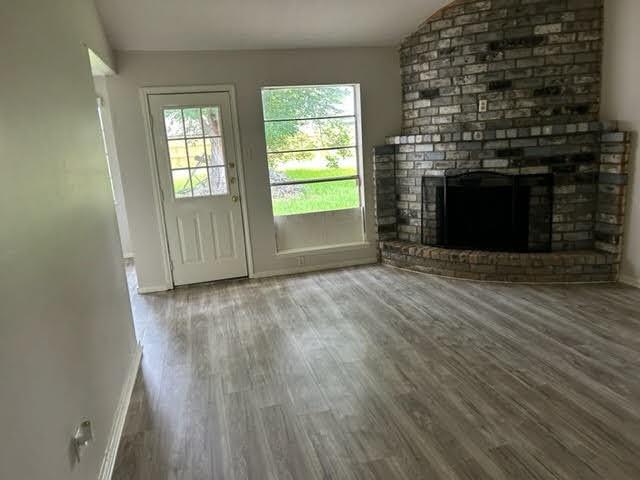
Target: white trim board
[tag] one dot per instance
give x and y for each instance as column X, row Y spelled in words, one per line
column 157, row 203
column 109, row 459
column 629, row 280
column 154, row 289
column 344, row 247
column 314, row 268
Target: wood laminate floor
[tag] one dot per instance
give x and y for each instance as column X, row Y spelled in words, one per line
column 378, row 373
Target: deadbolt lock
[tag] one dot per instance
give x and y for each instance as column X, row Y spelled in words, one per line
column 232, row 180
column 232, row 165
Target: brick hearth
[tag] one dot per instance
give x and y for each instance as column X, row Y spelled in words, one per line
column 558, row 267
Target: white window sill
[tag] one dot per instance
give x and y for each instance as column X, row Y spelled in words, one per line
column 325, row 249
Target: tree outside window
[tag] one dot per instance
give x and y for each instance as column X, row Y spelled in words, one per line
column 312, row 148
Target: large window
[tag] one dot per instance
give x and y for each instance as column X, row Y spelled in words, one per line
column 312, row 147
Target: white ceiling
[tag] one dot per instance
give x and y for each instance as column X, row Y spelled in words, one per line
column 260, row 24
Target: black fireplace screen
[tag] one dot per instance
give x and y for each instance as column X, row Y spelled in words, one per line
column 488, row 211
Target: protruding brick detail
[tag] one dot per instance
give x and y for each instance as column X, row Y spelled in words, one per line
column 385, row 192
column 560, row 267
column 612, row 180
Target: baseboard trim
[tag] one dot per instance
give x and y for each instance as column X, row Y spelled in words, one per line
column 314, row 268
column 154, row 289
column 109, row 460
column 631, row 281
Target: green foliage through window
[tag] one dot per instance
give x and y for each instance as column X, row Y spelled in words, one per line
column 312, row 147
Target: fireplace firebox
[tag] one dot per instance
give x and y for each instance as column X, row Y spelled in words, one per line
column 485, row 210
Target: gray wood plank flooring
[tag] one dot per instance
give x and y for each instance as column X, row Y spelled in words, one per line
column 379, row 373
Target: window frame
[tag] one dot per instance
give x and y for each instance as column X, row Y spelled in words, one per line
column 357, row 117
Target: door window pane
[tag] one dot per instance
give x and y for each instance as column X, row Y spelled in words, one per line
column 197, row 157
column 196, row 151
column 178, row 154
column 217, row 180
column 211, row 121
column 173, row 123
column 181, row 183
column 215, row 155
column 192, row 122
column 200, row 182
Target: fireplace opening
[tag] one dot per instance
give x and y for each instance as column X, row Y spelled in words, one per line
column 488, row 211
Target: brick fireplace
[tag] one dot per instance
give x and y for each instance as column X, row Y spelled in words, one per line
column 509, row 91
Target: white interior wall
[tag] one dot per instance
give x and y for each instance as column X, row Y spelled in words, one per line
column 621, row 101
column 299, row 233
column 375, row 69
column 66, row 335
column 119, row 201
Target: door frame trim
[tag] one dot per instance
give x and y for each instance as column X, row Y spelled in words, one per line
column 144, row 93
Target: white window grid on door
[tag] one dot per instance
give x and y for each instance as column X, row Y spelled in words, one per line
column 196, row 151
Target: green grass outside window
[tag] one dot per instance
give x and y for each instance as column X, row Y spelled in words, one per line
column 318, row 197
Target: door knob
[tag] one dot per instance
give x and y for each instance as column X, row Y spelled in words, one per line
column 235, row 198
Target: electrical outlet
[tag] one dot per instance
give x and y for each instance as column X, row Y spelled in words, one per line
column 482, row 105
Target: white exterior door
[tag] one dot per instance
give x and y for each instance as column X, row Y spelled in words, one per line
column 196, row 157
